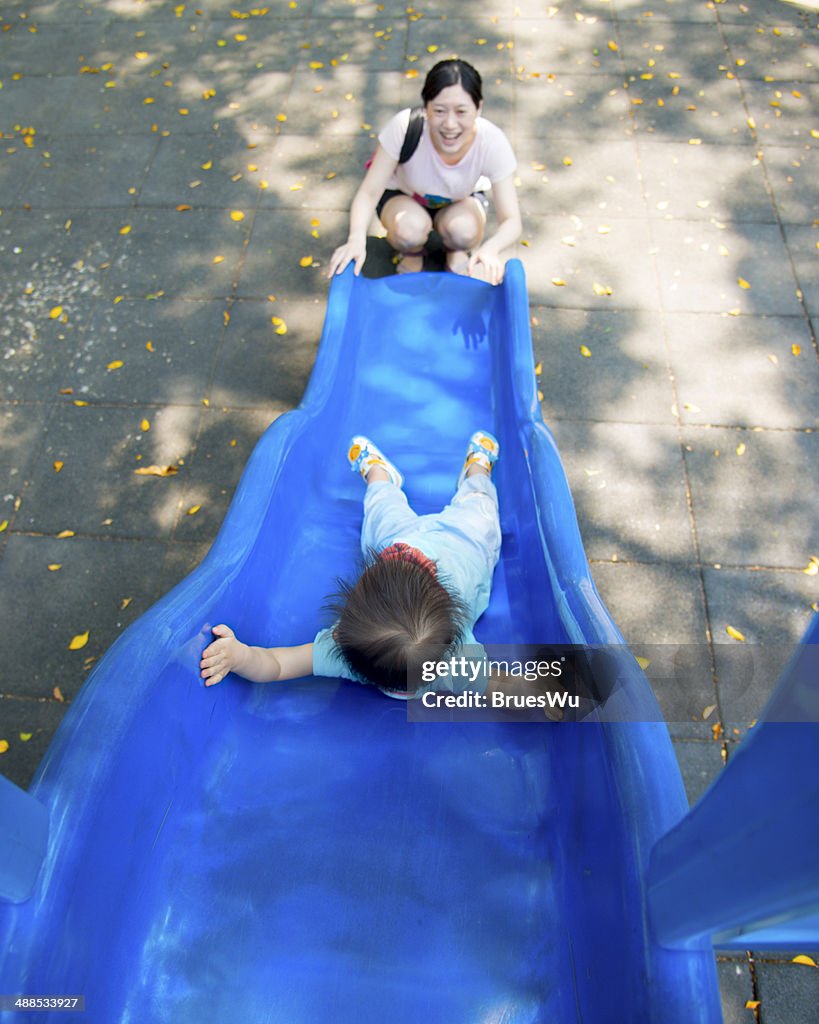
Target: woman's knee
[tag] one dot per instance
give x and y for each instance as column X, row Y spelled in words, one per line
column 408, row 225
column 460, row 227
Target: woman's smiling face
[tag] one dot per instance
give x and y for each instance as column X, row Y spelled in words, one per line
column 451, row 117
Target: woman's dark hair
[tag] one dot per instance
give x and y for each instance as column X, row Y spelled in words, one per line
column 453, row 72
column 395, row 615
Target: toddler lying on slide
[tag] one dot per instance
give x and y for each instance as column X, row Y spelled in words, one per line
column 426, row 581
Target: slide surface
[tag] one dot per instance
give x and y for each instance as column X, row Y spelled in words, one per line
column 301, row 853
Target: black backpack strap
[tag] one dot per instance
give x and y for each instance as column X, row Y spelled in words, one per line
column 413, row 136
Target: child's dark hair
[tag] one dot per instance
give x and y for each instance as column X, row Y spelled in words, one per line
column 453, row 72
column 396, row 614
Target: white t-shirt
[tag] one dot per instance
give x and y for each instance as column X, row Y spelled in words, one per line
column 434, row 183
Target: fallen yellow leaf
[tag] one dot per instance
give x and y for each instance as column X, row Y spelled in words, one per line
column 25, row 736
column 125, row 229
column 58, row 465
column 58, row 694
column 538, row 369
column 558, row 282
column 237, row 216
column 79, row 641
column 54, row 567
column 734, row 633
column 601, row 289
column 64, row 534
column 796, row 350
column 156, row 471
column 145, row 425
column 193, row 510
column 743, row 283
column 306, row 261
column 585, row 351
column 115, row 365
column 4, row 746
column 57, row 311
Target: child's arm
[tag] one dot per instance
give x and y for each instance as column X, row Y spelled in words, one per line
column 258, row 664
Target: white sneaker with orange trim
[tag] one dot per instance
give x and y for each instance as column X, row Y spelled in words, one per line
column 363, row 455
column 483, row 450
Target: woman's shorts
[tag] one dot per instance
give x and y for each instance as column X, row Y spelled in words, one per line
column 481, row 197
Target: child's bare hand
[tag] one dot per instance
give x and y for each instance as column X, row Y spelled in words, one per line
column 220, row 657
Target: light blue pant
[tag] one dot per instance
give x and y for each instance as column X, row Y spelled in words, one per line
column 469, row 521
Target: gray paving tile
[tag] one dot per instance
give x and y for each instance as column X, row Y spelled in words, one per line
column 788, row 992
column 629, row 489
column 317, row 102
column 100, row 588
column 209, row 171
column 54, row 264
column 76, row 171
column 793, row 174
column 260, row 367
column 38, row 102
column 624, row 377
column 781, row 111
column 97, row 491
column 149, row 352
column 265, row 44
column 687, row 182
column 772, row 611
column 746, row 371
column 23, row 431
column 27, row 725
column 591, row 262
column 803, row 247
column 224, row 445
column 728, row 268
column 379, row 42
column 659, row 608
column 542, row 49
column 779, row 52
column 664, row 10
column 18, row 161
column 195, row 253
column 701, row 763
column 762, row 13
column 147, row 48
column 142, row 105
column 747, row 508
column 35, row 47
column 684, row 109
column 679, row 52
column 601, row 179
column 281, row 239
column 736, row 989
column 574, row 107
column 316, row 174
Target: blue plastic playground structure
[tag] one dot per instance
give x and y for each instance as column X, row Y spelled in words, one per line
column 301, row 853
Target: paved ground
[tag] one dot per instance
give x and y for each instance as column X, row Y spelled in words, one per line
column 164, row 172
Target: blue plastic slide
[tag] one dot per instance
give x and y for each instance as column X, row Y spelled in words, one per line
column 301, row 853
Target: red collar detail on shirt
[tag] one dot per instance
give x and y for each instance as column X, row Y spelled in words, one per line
column 405, row 553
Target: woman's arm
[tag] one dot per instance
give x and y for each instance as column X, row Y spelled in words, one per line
column 363, row 207
column 258, row 664
column 507, row 212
